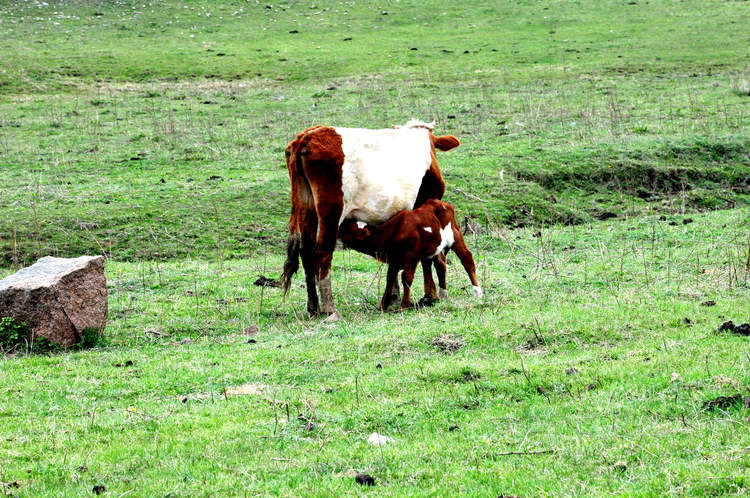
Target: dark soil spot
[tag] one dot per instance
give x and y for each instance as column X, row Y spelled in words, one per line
column 673, row 223
column 662, row 218
column 686, row 221
column 347, row 39
column 379, row 366
column 726, row 402
column 591, row 387
column 606, row 215
column 264, row 281
column 451, row 116
column 727, row 326
column 251, row 341
column 99, row 489
column 414, row 49
column 294, row 32
column 687, row 321
column 571, row 371
column 208, row 102
column 213, row 177
column 128, row 363
column 448, row 343
column 708, row 303
column 447, row 51
column 82, row 468
column 542, row 390
column 452, row 428
column 364, row 479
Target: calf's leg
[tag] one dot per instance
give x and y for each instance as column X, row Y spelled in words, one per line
column 407, row 278
column 467, row 260
column 390, row 281
column 440, row 268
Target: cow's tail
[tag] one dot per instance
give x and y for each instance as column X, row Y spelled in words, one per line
column 291, row 265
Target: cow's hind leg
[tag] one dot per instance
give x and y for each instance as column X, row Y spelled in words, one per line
column 327, row 234
column 309, row 264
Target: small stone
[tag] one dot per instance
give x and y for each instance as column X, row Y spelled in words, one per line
column 379, row 439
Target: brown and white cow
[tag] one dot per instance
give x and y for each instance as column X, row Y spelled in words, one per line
column 408, row 238
column 368, row 175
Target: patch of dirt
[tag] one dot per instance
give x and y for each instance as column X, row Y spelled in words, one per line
column 729, row 326
column 364, row 479
column 726, row 402
column 708, row 303
column 244, row 390
column 449, row 343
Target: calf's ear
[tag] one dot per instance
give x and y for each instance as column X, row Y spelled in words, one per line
column 446, row 142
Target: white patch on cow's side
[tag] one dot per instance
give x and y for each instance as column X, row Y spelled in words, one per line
column 446, row 239
column 477, row 291
column 361, row 224
column 383, row 170
column 428, row 229
column 442, row 293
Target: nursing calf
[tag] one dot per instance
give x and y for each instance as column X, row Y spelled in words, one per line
column 369, row 175
column 408, row 238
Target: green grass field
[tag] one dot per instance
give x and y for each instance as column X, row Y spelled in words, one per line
column 154, row 132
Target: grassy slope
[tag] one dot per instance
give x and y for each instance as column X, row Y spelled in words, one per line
column 542, row 95
column 95, row 111
column 609, row 300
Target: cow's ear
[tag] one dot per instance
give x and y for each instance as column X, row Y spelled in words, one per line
column 446, row 142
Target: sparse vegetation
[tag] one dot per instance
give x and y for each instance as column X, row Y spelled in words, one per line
column 153, row 133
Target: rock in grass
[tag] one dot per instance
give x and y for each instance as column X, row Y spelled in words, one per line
column 379, row 439
column 364, row 479
column 60, row 299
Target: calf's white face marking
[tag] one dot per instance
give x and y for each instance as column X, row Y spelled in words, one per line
column 428, row 229
column 446, row 239
column 361, row 224
column 383, row 170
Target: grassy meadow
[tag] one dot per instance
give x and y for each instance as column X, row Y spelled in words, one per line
column 603, row 183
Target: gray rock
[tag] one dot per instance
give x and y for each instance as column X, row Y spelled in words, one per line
column 58, row 297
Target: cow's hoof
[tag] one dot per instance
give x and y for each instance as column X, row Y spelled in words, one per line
column 443, row 293
column 333, row 317
column 426, row 301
